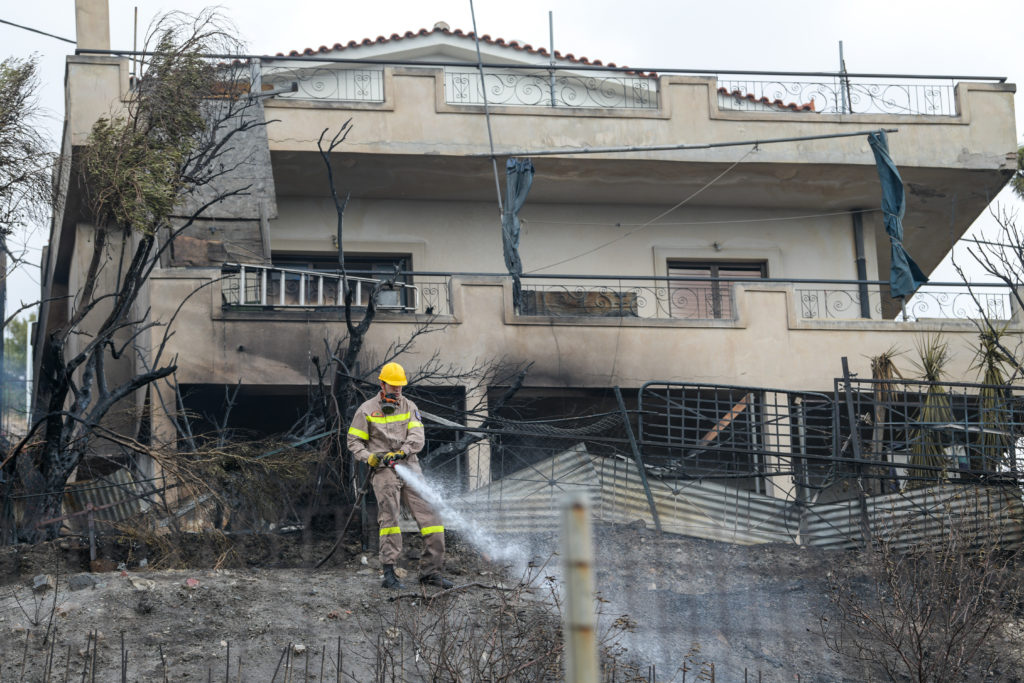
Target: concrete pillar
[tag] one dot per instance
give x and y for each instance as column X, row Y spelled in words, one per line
column 92, row 24
column 1016, row 315
column 164, row 437
column 478, row 456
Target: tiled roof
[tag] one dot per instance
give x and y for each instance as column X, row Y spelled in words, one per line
column 501, row 42
column 739, row 95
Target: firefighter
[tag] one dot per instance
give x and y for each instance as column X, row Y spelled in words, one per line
column 385, row 431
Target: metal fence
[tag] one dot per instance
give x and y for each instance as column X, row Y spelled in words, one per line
column 764, row 440
column 845, row 95
column 755, row 465
column 919, row 432
column 14, row 415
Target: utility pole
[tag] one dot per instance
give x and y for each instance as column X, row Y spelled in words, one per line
column 844, row 84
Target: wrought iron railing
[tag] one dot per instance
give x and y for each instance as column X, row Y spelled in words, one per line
column 633, row 298
column 330, row 78
column 844, row 302
column 527, row 88
column 271, row 287
column 941, row 303
column 840, row 95
column 332, row 83
column 838, row 302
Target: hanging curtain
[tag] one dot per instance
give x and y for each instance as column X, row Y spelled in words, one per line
column 904, row 275
column 518, row 179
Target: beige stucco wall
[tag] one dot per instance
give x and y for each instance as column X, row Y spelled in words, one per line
column 466, row 237
column 414, row 119
column 767, row 346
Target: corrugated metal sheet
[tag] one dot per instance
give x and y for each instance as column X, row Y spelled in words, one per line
column 531, row 498
column 699, row 509
column 921, row 515
column 114, row 493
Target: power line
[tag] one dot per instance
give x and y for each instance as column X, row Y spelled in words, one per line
column 35, row 30
column 683, row 146
column 620, row 224
column 660, row 215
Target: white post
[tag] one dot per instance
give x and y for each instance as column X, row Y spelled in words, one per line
column 580, row 630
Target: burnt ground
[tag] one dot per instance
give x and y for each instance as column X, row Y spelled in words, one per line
column 665, row 601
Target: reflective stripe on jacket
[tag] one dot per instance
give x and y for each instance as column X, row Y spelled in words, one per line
column 374, row 431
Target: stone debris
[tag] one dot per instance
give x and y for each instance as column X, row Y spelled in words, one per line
column 78, row 582
column 43, row 582
column 142, row 584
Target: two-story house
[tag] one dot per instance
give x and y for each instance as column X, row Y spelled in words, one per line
column 680, row 227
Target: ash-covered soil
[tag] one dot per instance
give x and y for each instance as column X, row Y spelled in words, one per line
column 666, row 602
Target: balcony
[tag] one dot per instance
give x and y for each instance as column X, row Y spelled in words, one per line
column 592, row 87
column 593, row 297
column 697, row 299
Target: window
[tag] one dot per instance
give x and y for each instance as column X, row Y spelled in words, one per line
column 363, row 266
column 709, row 298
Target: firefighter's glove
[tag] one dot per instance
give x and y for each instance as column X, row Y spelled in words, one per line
column 391, row 458
column 374, row 460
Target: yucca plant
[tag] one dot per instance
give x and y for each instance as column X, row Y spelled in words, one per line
column 926, row 446
column 993, row 440
column 885, row 373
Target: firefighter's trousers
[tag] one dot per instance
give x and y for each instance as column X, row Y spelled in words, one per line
column 391, row 492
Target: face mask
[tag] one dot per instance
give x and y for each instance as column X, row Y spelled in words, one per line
column 389, row 402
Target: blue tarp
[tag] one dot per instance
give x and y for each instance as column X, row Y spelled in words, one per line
column 905, row 276
column 518, row 179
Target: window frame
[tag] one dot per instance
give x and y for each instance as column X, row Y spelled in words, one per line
column 716, row 284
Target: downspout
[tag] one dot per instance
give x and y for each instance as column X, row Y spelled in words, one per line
column 862, row 265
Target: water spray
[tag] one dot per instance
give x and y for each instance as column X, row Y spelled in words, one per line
column 472, row 531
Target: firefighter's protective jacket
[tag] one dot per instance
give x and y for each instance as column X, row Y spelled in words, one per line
column 374, row 431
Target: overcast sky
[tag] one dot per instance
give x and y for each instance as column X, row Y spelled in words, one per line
column 978, row 38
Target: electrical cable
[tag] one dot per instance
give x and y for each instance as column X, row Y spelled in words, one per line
column 620, row 224
column 651, row 221
column 487, row 109
column 35, row 30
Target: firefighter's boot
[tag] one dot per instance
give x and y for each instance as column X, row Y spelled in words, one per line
column 390, row 579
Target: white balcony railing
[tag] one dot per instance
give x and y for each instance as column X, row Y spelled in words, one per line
column 592, row 90
column 327, row 82
column 268, row 286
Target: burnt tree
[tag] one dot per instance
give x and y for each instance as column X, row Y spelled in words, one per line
column 146, row 175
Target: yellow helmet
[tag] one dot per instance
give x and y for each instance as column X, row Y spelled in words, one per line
column 393, row 374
